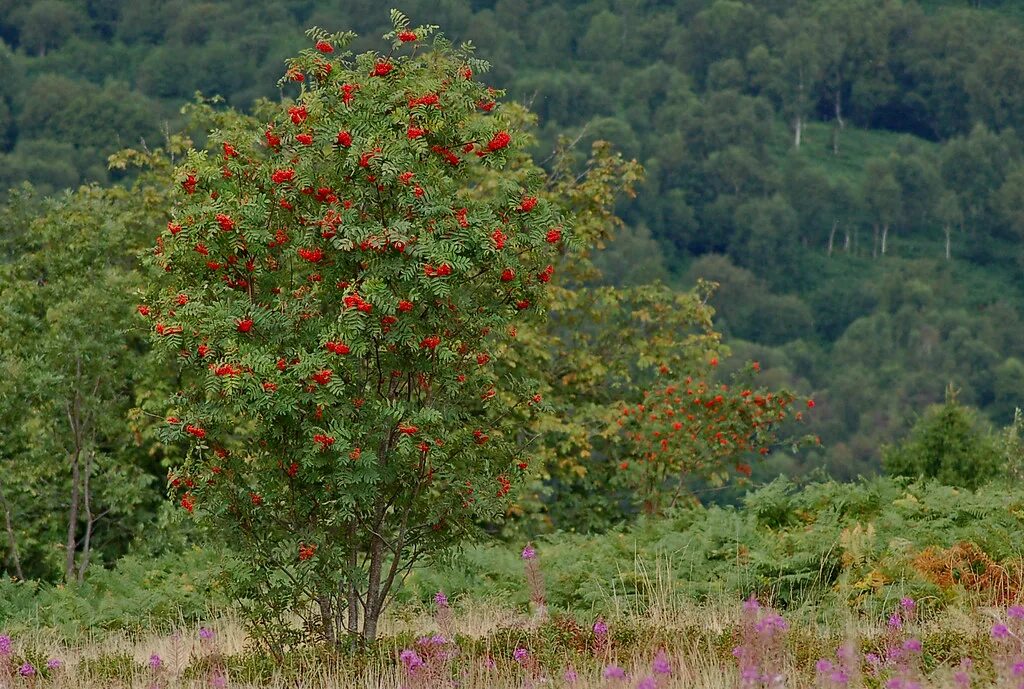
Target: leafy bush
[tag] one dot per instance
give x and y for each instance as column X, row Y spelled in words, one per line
column 947, row 444
column 138, row 594
column 851, row 544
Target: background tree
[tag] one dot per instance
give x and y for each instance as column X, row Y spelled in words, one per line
column 71, row 371
column 947, row 444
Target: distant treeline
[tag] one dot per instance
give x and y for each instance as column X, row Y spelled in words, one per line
column 850, row 170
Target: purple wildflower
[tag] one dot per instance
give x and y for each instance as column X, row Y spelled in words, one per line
column 1016, row 612
column 5, row 645
column 614, row 672
column 155, row 662
column 529, row 553
column 411, row 659
column 54, row 664
column 1000, row 631
column 440, row 599
column 912, row 645
column 520, row 655
column 205, row 634
column 219, row 680
column 661, row 664
column 907, row 603
column 570, row 675
column 895, row 621
column 600, row 627
column 27, row 670
column 823, row 665
column 647, row 683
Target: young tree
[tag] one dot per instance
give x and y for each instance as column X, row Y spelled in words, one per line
column 951, row 216
column 882, row 197
column 70, row 371
column 949, row 444
column 338, row 284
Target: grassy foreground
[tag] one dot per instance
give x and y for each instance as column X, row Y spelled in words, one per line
column 881, row 583
column 484, row 645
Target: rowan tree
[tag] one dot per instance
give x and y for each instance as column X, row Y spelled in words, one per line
column 337, row 284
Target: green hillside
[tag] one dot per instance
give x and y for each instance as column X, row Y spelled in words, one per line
column 705, row 94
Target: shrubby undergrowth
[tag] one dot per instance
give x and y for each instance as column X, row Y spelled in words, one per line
column 814, row 551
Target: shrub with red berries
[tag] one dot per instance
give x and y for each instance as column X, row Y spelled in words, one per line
column 341, row 321
column 698, row 428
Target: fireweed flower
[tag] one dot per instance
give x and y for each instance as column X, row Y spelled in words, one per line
column 27, row 670
column 760, row 651
column 529, row 553
column 614, row 672
column 54, row 664
column 440, row 599
column 205, row 634
column 410, row 659
column 600, row 627
column 5, row 645
column 155, row 662
column 1000, row 631
column 962, row 676
column 661, row 665
column 520, row 655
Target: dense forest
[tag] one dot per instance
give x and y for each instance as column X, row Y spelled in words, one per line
column 848, row 170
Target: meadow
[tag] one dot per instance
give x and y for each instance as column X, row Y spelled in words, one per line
column 882, row 583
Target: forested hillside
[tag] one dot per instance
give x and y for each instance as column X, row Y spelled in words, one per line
column 848, row 170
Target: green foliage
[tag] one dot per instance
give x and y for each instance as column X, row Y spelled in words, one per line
column 141, row 593
column 825, row 543
column 778, row 134
column 947, row 444
column 76, row 483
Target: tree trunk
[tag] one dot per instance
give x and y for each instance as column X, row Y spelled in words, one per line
column 69, row 562
column 949, row 240
column 832, row 237
column 372, row 607
column 89, row 521
column 352, row 594
column 11, row 536
column 798, row 123
column 327, row 619
column 840, row 124
column 885, row 237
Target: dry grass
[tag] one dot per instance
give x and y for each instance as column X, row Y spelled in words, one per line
column 697, row 639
